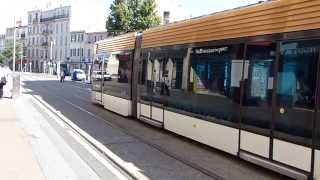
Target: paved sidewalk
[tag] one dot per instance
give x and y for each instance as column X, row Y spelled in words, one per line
column 17, row 161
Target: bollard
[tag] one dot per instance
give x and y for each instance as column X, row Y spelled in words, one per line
column 15, row 85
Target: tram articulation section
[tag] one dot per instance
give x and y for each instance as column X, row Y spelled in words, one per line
column 242, row 81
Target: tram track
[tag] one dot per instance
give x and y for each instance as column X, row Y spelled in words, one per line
column 127, row 132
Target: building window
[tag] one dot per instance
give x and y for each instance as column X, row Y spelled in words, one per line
column 89, row 53
column 78, row 52
column 61, row 27
column 29, row 18
column 81, row 52
column 61, row 40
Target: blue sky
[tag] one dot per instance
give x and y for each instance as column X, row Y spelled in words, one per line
column 90, row 15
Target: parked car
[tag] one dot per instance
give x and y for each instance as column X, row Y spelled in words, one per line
column 78, row 75
column 98, row 76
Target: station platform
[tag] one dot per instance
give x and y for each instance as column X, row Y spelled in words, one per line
column 17, row 159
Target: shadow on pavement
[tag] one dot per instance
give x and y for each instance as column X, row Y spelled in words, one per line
column 115, row 133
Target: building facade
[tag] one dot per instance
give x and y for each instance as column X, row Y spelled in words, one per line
column 2, row 42
column 82, row 47
column 48, row 39
column 77, row 49
column 171, row 11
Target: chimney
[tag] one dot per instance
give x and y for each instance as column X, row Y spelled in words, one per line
column 166, row 17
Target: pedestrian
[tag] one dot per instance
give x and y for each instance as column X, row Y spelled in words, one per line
column 3, row 82
column 62, row 76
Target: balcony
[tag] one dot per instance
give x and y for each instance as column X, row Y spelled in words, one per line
column 54, row 18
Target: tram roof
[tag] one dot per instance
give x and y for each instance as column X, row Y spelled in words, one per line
column 269, row 17
column 117, row 43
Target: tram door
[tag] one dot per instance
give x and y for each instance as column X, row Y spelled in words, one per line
column 278, row 107
column 98, row 80
column 256, row 110
column 296, row 100
column 157, row 98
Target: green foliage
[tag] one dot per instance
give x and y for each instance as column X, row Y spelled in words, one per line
column 132, row 15
column 119, row 19
column 8, row 52
column 148, row 17
column 2, row 58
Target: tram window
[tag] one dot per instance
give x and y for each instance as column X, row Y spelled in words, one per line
column 215, row 83
column 172, row 72
column 297, row 74
column 258, row 84
column 161, row 76
column 117, row 82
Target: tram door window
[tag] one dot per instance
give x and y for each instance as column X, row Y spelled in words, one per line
column 97, row 76
column 142, row 83
column 258, row 86
column 297, row 74
column 146, row 79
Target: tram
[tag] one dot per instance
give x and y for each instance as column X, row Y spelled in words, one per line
column 244, row 81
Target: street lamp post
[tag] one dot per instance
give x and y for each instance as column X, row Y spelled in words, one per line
column 14, row 47
column 21, row 58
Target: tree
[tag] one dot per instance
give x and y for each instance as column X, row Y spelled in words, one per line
column 132, row 15
column 148, row 16
column 8, row 52
column 135, row 6
column 119, row 20
column 2, row 58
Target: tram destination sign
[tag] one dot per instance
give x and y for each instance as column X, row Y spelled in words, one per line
column 215, row 50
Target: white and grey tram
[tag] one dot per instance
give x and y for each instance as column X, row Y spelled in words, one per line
column 243, row 81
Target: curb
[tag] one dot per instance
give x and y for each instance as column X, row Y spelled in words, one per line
column 124, row 166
